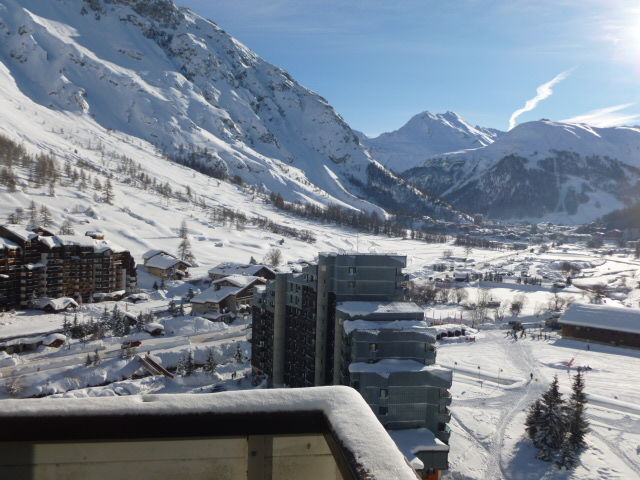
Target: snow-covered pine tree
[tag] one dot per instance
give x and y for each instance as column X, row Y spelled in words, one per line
column 52, row 188
column 211, row 364
column 577, row 425
column 533, row 420
column 238, row 356
column 190, row 364
column 97, row 359
column 184, row 249
column 172, row 308
column 66, row 327
column 89, row 361
column 553, row 424
column 181, row 367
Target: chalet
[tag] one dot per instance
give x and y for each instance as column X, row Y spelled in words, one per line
column 56, row 305
column 19, row 345
column 230, row 268
column 165, row 265
column 602, row 323
column 226, row 295
column 35, row 263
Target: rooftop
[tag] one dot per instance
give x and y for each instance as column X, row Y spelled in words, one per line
column 211, row 295
column 607, row 317
column 413, row 440
column 238, row 280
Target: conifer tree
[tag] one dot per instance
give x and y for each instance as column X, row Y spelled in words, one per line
column 89, row 361
column 97, row 359
column 577, row 425
column 190, row 364
column 211, row 364
column 533, row 420
column 181, row 367
column 184, row 249
column 550, row 432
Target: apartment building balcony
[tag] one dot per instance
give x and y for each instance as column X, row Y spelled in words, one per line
column 315, row 433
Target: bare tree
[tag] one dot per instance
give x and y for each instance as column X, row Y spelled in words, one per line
column 273, row 257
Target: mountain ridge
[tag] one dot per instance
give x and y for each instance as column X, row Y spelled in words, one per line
column 164, row 74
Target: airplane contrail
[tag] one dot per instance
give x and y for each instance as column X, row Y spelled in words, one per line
column 543, row 91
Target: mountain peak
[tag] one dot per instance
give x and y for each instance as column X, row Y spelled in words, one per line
column 427, row 134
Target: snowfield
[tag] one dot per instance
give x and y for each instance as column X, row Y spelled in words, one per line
column 488, row 439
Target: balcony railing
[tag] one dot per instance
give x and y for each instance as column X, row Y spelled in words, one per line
column 314, row 433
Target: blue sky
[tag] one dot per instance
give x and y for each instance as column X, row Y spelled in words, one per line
column 379, row 62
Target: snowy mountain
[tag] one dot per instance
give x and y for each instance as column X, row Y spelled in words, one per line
column 543, row 170
column 424, row 136
column 162, row 74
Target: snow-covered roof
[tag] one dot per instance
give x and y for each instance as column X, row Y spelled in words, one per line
column 413, row 440
column 150, row 327
column 44, row 339
column 211, row 295
column 21, row 232
column 6, row 244
column 386, row 367
column 164, row 262
column 232, row 268
column 238, row 280
column 352, row 421
column 606, row 317
column 366, row 308
column 152, row 253
column 56, row 303
column 416, row 326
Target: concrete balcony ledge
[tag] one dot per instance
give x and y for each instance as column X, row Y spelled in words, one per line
column 312, row 433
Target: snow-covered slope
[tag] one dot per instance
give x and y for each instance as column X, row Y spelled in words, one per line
column 570, row 173
column 167, row 76
column 424, row 136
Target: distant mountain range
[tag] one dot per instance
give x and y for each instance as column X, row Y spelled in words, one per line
column 540, row 170
column 149, row 70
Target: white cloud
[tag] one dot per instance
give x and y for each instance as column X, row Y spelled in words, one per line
column 542, row 92
column 607, row 117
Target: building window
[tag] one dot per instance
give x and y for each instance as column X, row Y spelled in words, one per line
column 373, row 347
column 383, row 410
column 352, row 270
column 428, row 347
column 384, row 393
column 351, row 284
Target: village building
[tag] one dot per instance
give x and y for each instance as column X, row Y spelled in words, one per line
column 34, row 263
column 231, row 268
column 618, row 326
column 227, row 295
column 165, row 265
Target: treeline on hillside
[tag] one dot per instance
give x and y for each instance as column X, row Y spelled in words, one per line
column 224, row 215
column 201, row 160
column 371, row 223
column 477, row 242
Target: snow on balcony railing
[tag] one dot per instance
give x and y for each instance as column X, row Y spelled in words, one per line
column 361, row 447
